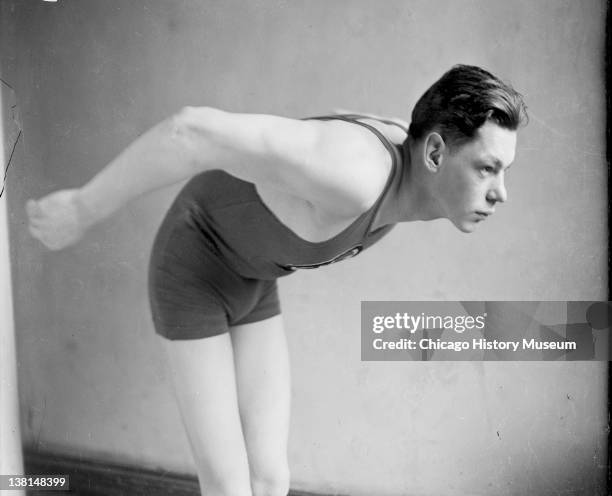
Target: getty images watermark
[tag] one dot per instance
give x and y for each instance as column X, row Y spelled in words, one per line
column 479, row 330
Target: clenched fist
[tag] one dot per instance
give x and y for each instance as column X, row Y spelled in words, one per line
column 57, row 220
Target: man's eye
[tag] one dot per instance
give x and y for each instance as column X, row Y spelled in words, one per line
column 487, row 168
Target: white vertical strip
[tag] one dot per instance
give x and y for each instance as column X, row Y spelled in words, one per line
column 11, row 458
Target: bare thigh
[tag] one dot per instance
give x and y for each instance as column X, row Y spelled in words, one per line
column 204, row 382
column 233, row 392
column 263, row 384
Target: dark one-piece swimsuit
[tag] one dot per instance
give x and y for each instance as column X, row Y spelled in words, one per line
column 220, row 249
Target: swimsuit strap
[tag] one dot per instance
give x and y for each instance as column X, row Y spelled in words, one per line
column 395, row 156
column 352, row 118
column 379, row 119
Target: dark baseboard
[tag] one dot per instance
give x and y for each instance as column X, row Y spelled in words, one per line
column 92, row 477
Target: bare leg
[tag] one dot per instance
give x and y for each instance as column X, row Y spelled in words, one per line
column 205, row 387
column 263, row 379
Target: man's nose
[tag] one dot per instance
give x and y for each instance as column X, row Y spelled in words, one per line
column 498, row 192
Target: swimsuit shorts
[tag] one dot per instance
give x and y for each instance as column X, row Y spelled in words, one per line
column 193, row 292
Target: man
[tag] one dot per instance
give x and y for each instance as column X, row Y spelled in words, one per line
column 270, row 196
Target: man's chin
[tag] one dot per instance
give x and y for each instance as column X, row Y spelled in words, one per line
column 466, row 226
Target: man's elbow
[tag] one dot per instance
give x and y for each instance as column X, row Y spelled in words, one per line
column 192, row 121
column 186, row 136
column 193, row 130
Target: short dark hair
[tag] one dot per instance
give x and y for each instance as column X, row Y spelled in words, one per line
column 461, row 101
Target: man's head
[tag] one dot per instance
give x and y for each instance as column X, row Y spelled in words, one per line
column 461, row 101
column 462, row 139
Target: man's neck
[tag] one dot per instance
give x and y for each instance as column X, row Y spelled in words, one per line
column 410, row 199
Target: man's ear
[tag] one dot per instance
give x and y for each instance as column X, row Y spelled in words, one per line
column 434, row 151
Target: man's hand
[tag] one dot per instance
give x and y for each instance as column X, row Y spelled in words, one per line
column 57, row 220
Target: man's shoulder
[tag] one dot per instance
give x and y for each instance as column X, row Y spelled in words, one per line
column 358, row 160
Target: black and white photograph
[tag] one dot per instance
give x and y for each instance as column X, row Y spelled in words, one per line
column 304, row 248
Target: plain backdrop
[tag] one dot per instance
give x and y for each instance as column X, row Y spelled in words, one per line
column 90, row 76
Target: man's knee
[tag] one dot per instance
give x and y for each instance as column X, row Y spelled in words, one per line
column 223, row 482
column 272, row 483
column 224, row 488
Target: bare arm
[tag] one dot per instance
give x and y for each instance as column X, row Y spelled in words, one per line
column 321, row 162
column 153, row 160
column 309, row 159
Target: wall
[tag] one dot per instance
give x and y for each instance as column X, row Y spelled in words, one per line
column 90, row 76
column 11, row 460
